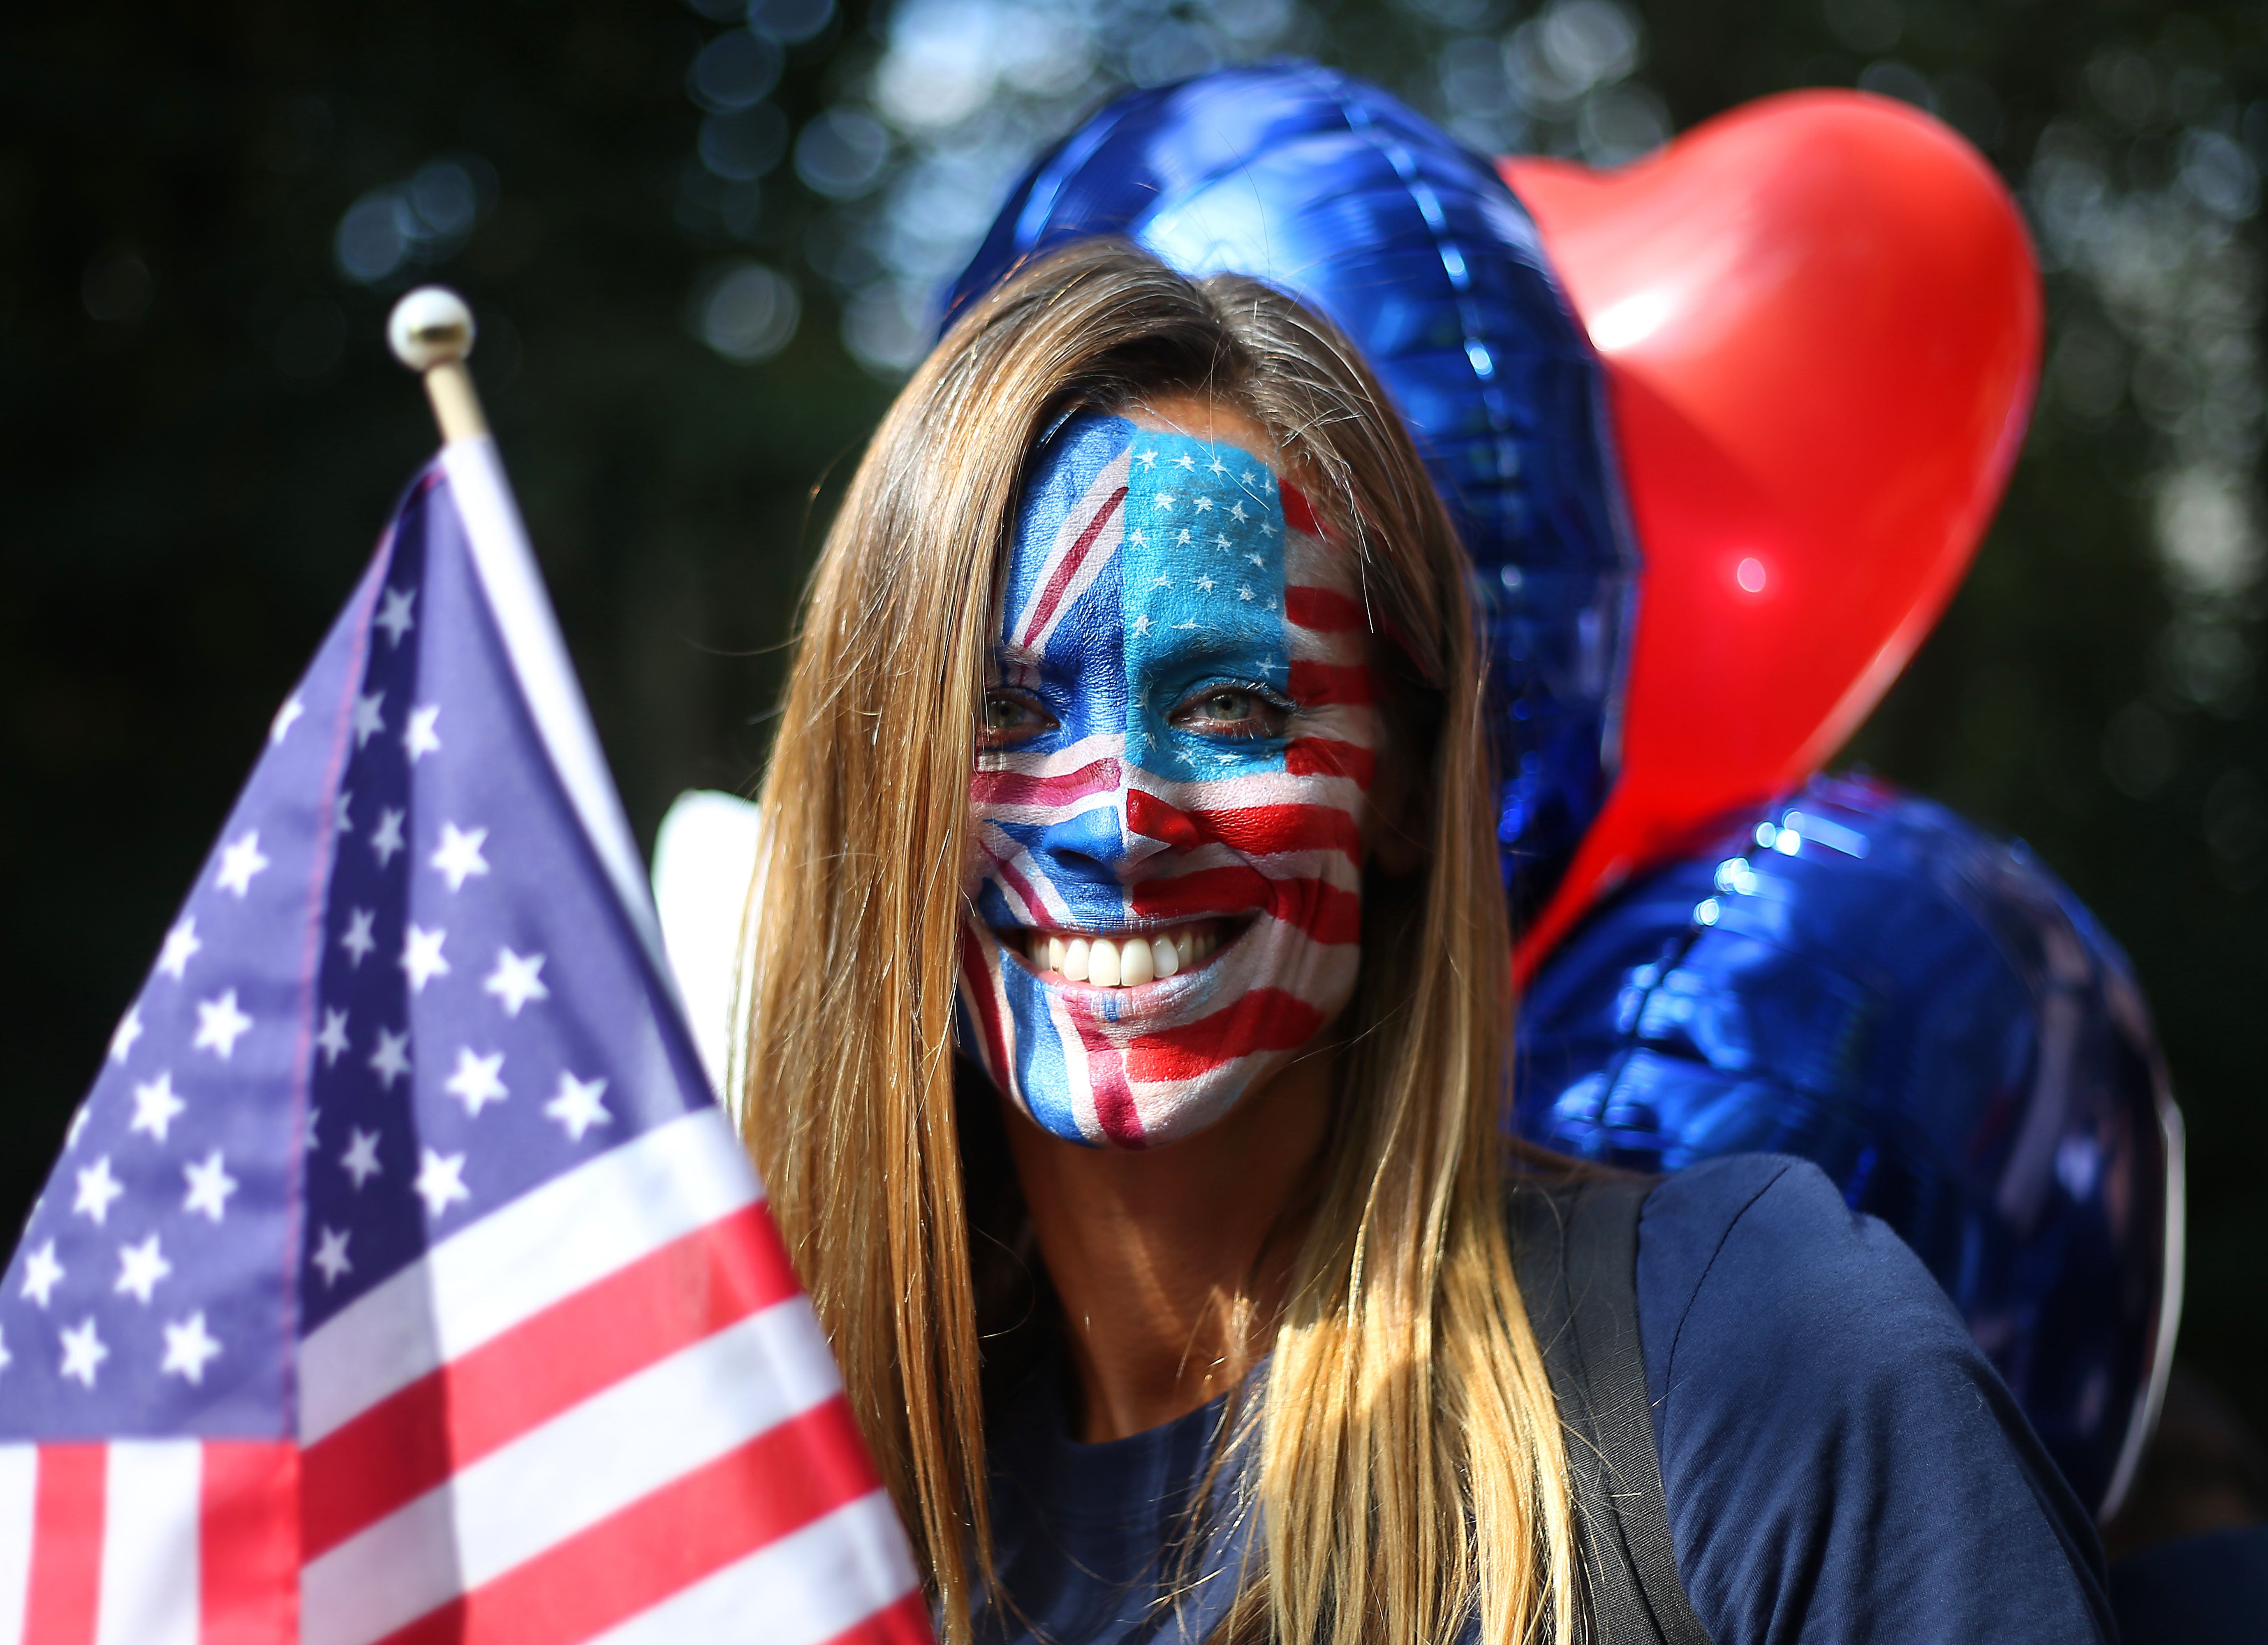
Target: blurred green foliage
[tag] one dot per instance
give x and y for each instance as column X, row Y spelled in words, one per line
column 201, row 432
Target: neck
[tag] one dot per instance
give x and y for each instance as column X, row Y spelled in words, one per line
column 1173, row 1264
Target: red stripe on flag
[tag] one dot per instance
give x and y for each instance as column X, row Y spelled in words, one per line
column 983, row 1000
column 1016, row 788
column 66, row 1576
column 249, row 1544
column 693, row 1527
column 1324, row 611
column 1105, row 1077
column 1298, row 513
column 904, row 1623
column 400, row 1449
column 1328, row 756
column 1067, row 568
column 1318, row 683
column 1265, row 1019
column 1269, row 830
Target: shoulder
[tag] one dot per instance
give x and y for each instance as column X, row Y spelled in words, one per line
column 1838, row 1459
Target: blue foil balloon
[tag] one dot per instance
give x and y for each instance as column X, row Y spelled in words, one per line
column 1331, row 191
column 1861, row 978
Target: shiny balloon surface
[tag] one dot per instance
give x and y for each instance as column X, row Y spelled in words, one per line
column 1330, row 190
column 1821, row 320
column 1860, row 977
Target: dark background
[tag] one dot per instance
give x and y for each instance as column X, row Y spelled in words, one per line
column 695, row 294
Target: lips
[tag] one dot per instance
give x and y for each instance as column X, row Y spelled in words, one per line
column 1125, row 960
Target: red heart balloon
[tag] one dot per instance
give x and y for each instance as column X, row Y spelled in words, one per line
column 1821, row 318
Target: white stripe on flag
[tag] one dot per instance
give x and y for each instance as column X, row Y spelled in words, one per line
column 530, row 631
column 19, row 1494
column 150, row 1521
column 596, row 1459
column 516, row 1262
column 833, row 1573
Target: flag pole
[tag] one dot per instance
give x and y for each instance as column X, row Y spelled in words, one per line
column 431, row 332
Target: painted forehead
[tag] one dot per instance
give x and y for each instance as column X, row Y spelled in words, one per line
column 1115, row 519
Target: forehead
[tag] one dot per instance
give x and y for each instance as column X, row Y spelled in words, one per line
column 1128, row 534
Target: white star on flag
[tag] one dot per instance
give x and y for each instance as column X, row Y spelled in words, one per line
column 123, row 1036
column 1236, row 512
column 239, row 862
column 1206, row 583
column 220, row 1025
column 1257, row 560
column 1204, row 505
column 367, row 721
column 1186, row 461
column 475, row 1083
column 459, row 856
column 1147, row 459
column 420, row 957
column 182, row 945
column 420, row 739
column 441, row 1182
column 156, row 1106
column 577, row 1106
column 331, row 1256
column 1161, row 581
column 1216, row 465
column 97, row 1188
column 42, row 1272
column 359, row 941
column 84, row 1352
column 515, row 981
column 1142, row 624
column 286, row 716
column 331, row 1041
column 140, row 1267
column 388, row 838
column 360, row 1161
column 340, row 820
column 393, row 615
column 1163, row 502
column 1243, row 593
column 391, row 1059
column 188, row 1346
column 209, row 1187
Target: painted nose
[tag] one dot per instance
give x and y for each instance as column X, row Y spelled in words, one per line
column 1096, row 847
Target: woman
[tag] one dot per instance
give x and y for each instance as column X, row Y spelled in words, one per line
column 1133, row 749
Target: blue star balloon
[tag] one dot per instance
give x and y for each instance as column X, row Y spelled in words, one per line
column 1861, row 978
column 1330, row 190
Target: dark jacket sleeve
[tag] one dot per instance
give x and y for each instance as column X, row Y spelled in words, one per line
column 1840, row 1462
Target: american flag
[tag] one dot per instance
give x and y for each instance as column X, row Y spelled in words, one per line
column 399, row 1280
column 1144, row 557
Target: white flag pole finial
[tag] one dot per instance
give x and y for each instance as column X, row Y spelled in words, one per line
column 432, row 333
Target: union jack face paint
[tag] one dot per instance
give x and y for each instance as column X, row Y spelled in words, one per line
column 1168, row 803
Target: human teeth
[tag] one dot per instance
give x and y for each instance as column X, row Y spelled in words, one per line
column 1136, row 964
column 1164, row 958
column 1055, row 954
column 1102, row 964
column 1185, row 949
column 1074, row 961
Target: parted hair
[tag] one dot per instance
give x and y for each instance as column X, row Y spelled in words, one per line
column 1408, row 1471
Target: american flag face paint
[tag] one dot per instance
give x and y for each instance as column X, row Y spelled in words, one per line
column 1176, row 771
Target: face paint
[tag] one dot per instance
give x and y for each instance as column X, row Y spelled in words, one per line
column 1172, row 796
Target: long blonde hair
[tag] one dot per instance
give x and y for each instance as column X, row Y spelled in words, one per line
column 1410, row 1466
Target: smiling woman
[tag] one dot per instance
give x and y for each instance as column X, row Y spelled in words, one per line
column 1129, row 990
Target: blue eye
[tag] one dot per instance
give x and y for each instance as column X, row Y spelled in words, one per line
column 1010, row 718
column 1233, row 713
